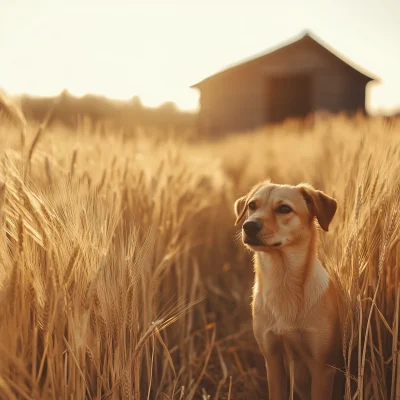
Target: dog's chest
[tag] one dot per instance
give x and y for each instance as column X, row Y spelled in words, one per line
column 278, row 306
column 273, row 313
column 283, row 303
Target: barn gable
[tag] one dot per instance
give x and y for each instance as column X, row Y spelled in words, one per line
column 308, row 40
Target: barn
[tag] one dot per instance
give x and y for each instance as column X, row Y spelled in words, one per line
column 291, row 81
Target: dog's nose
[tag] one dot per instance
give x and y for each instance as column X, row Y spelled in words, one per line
column 252, row 227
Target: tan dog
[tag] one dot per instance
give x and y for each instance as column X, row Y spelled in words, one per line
column 295, row 304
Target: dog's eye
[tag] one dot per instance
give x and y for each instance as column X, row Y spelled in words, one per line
column 252, row 205
column 283, row 209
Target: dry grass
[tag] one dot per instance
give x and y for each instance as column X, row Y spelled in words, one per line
column 120, row 276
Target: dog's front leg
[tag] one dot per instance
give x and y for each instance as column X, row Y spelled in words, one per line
column 278, row 382
column 322, row 383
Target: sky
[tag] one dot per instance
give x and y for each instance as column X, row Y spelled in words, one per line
column 156, row 49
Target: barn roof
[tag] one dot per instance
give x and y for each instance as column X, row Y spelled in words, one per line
column 306, row 37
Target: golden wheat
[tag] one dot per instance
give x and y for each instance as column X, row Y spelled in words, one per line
column 133, row 286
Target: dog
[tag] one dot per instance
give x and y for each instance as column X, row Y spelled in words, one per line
column 295, row 304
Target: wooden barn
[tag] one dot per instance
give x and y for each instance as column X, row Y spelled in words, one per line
column 292, row 81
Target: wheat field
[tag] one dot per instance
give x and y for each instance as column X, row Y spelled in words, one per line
column 121, row 276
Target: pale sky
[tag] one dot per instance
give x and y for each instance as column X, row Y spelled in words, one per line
column 156, row 49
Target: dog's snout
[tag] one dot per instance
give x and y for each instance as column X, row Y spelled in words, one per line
column 252, row 227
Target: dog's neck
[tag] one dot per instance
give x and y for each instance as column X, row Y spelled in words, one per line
column 291, row 277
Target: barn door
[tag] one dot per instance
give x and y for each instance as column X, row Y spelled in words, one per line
column 288, row 97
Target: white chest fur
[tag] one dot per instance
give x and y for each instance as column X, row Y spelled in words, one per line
column 284, row 300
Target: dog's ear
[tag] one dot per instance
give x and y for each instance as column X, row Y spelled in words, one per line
column 241, row 203
column 240, row 208
column 321, row 206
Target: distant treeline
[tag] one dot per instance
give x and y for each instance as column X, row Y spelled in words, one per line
column 101, row 111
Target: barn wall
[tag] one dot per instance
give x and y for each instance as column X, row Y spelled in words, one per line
column 337, row 92
column 330, row 87
column 231, row 105
column 355, row 95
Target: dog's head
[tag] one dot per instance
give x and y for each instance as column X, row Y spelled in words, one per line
column 281, row 215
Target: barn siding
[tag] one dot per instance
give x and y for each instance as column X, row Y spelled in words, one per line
column 232, row 105
column 336, row 92
column 329, row 91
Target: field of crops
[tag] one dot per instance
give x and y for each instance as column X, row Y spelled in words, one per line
column 121, row 275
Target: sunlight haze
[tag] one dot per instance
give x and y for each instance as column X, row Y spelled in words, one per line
column 157, row 49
